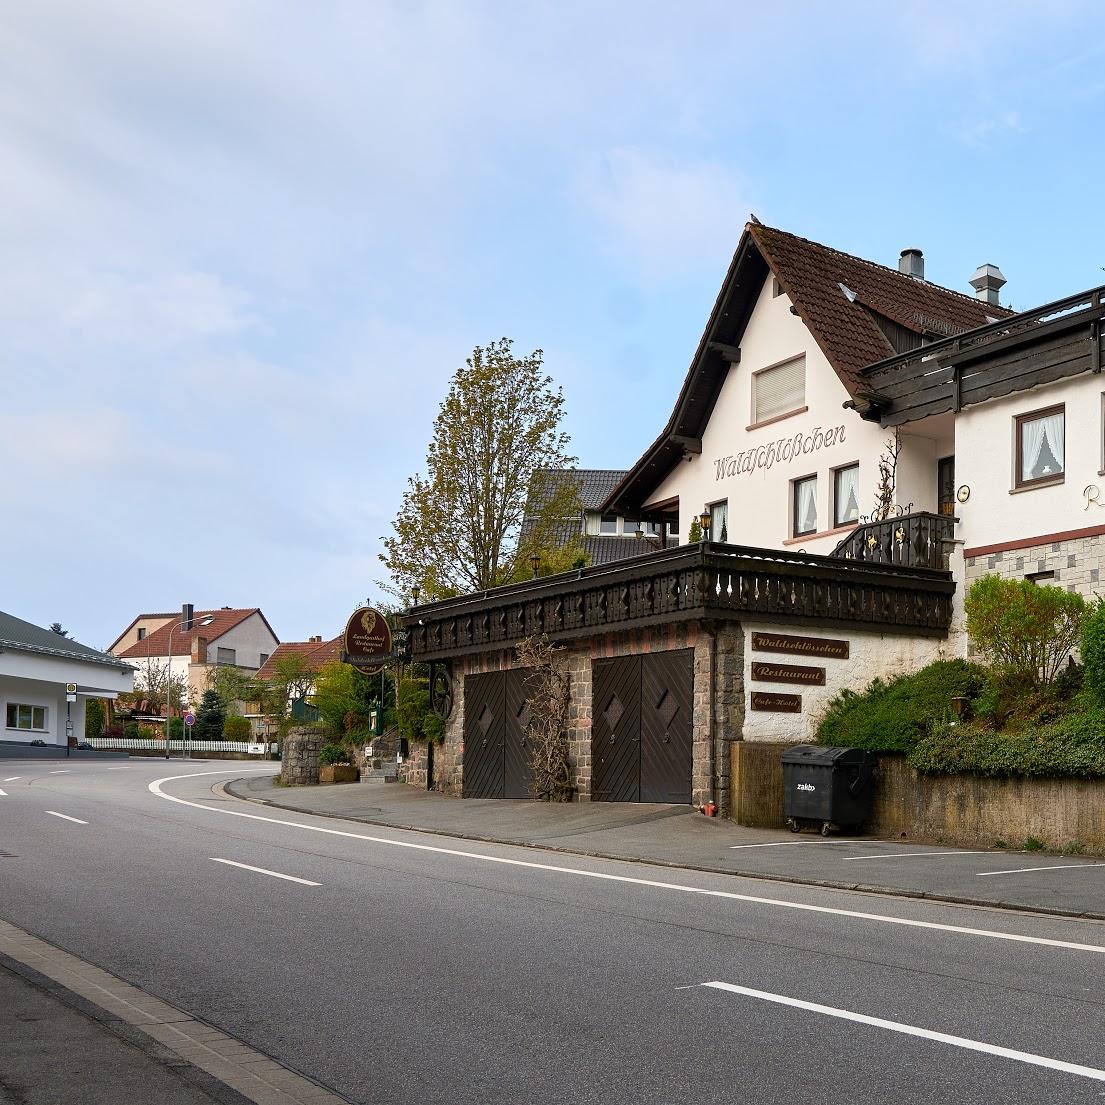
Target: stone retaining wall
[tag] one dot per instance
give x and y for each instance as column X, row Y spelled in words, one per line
column 966, row 810
column 299, row 765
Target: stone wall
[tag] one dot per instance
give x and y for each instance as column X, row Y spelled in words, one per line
column 1077, row 564
column 299, row 760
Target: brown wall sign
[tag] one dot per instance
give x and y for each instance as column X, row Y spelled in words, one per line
column 805, row 646
column 776, row 703
column 367, row 636
column 766, row 672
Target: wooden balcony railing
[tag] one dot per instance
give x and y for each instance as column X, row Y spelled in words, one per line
column 917, row 540
column 701, row 581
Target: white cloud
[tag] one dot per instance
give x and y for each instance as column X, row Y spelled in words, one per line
column 666, row 215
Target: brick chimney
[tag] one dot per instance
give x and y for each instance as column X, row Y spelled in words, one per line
column 199, row 650
column 316, row 640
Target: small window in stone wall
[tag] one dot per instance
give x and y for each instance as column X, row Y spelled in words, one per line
column 1040, row 577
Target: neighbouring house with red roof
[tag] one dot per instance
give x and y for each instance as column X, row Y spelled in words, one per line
column 192, row 642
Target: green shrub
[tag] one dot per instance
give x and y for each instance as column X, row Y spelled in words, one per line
column 149, row 733
column 1026, row 631
column 415, row 716
column 1093, row 649
column 891, row 717
column 176, row 727
column 93, row 717
column 130, row 730
column 1071, row 746
column 333, row 754
column 237, row 728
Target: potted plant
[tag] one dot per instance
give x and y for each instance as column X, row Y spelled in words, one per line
column 334, row 765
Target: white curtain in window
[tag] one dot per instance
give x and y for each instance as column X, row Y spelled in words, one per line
column 719, row 521
column 847, row 495
column 1037, row 434
column 807, row 506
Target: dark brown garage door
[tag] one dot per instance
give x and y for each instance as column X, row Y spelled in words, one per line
column 496, row 757
column 641, row 727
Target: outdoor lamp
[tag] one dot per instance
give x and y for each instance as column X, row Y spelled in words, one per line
column 414, row 594
column 535, row 563
column 704, row 521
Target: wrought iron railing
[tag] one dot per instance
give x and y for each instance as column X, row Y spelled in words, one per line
column 916, row 540
column 700, row 581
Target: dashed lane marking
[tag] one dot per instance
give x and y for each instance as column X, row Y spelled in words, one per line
column 66, row 817
column 265, row 871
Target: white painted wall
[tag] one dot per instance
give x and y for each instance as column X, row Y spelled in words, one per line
column 870, row 654
column 985, row 436
column 760, row 500
column 249, row 638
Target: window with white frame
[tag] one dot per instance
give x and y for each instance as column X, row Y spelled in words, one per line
column 779, row 391
column 609, row 525
column 1041, row 446
column 804, row 506
column 21, row 716
column 719, row 521
column 846, row 495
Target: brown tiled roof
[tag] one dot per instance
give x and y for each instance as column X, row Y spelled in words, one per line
column 157, row 643
column 812, row 274
column 316, row 653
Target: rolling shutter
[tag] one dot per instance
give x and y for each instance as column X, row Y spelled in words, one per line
column 779, row 390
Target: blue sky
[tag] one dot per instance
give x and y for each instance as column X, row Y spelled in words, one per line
column 245, row 245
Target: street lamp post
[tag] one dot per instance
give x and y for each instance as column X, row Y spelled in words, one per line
column 169, row 679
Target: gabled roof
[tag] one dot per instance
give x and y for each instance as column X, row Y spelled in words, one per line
column 315, row 653
column 848, row 304
column 221, row 622
column 593, row 485
column 21, row 636
column 142, row 618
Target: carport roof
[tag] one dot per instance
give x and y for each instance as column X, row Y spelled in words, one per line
column 22, row 636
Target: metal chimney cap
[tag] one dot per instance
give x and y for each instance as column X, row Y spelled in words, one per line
column 987, row 276
column 911, row 262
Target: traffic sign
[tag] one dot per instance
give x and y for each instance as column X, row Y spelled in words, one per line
column 70, row 688
column 189, row 719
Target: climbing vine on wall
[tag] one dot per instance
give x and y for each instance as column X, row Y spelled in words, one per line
column 547, row 696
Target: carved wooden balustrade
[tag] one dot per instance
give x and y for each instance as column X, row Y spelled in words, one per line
column 917, row 540
column 701, row 581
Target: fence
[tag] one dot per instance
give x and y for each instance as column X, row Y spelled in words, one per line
column 123, row 744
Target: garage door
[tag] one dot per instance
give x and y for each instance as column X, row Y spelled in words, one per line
column 641, row 748
column 496, row 716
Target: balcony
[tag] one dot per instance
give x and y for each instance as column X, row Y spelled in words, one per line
column 917, row 540
column 705, row 581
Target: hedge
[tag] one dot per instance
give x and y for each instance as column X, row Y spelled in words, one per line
column 1071, row 747
column 892, row 716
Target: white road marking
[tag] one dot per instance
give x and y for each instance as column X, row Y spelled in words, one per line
column 126, row 767
column 917, row 855
column 913, row 1030
column 12, row 778
column 265, row 871
column 1050, row 867
column 65, row 771
column 791, row 843
column 3, row 794
column 66, row 817
column 604, row 876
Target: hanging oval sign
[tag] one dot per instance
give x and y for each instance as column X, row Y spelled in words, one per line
column 366, row 643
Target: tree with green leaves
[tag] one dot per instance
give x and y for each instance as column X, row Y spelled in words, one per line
column 93, row 717
column 459, row 528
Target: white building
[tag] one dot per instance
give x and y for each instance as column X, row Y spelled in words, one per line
column 192, row 642
column 36, row 666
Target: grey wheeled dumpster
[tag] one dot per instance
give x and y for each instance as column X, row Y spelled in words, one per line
column 827, row 788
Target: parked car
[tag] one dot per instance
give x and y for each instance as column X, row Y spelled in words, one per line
column 84, row 744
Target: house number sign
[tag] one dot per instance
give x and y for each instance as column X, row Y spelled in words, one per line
column 803, row 646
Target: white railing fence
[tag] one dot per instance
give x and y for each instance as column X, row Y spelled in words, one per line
column 176, row 745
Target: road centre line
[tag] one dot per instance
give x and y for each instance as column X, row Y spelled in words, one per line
column 63, row 771
column 66, row 817
column 913, row 1030
column 605, row 876
column 265, row 871
column 1050, row 867
column 918, row 855
column 12, row 778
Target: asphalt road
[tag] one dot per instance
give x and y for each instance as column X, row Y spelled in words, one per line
column 403, row 967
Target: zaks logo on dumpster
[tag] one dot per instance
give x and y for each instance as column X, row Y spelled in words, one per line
column 806, row 786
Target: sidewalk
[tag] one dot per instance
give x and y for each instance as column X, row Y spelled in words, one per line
column 56, row 1054
column 676, row 836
